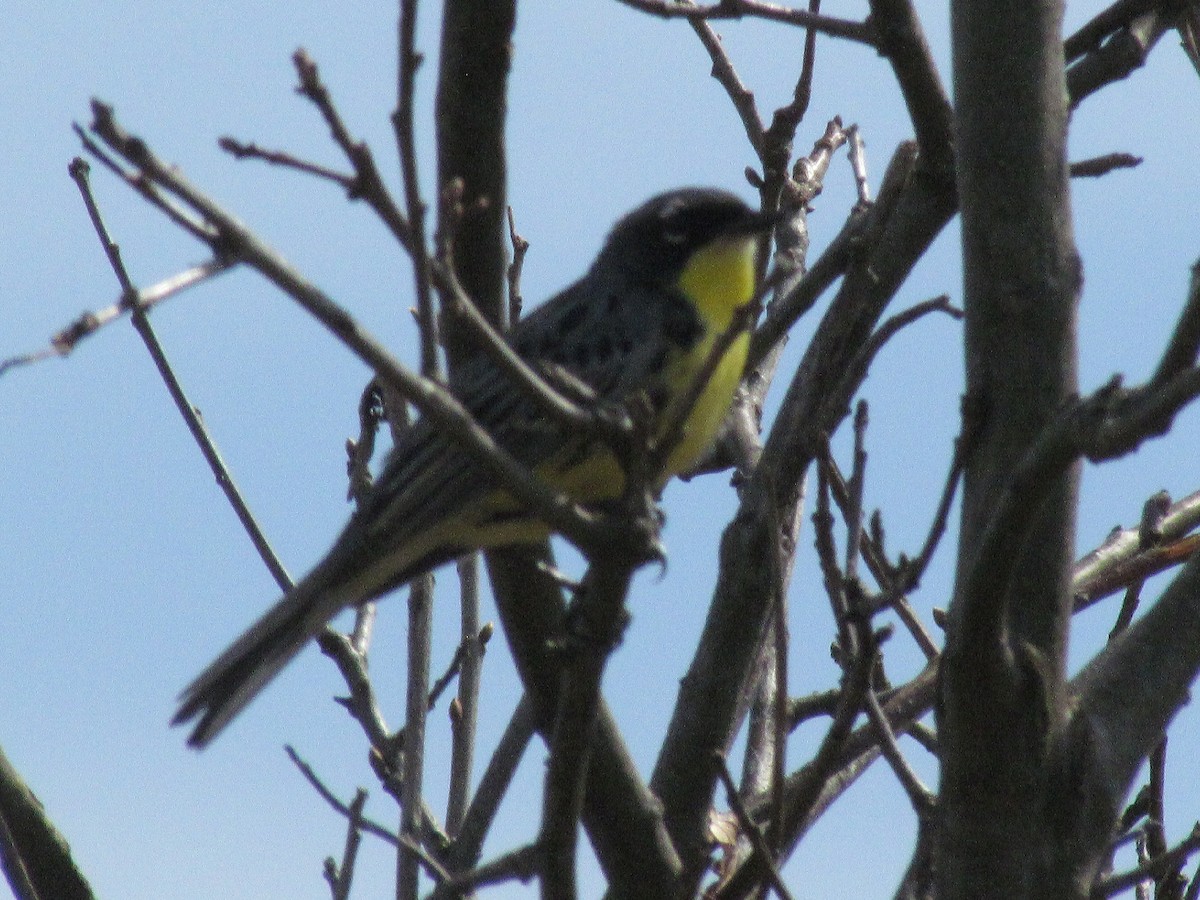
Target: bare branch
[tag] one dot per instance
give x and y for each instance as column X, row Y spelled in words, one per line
column 341, row 877
column 343, row 809
column 178, row 213
column 597, row 619
column 1124, row 697
column 799, row 289
column 1184, row 345
column 858, row 164
column 623, row 818
column 468, row 843
column 33, row 854
column 470, row 645
column 1125, row 52
column 777, row 139
column 1102, row 165
column 191, row 416
column 369, row 183
column 402, row 122
column 1123, row 559
column 726, row 75
column 361, row 703
column 521, row 865
column 89, row 323
column 902, row 41
column 841, row 253
column 520, row 247
column 861, row 32
column 713, row 694
column 919, row 796
column 762, row 850
column 241, row 150
column 1154, row 868
column 420, row 628
column 1102, row 25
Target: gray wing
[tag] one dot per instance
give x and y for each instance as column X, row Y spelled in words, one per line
column 611, row 335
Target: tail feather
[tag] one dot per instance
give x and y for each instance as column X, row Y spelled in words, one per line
column 238, row 675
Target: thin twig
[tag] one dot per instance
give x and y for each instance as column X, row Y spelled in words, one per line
column 857, row 157
column 1193, row 888
column 518, row 865
column 80, row 173
column 369, row 183
column 857, row 659
column 778, row 138
column 472, row 643
column 762, row 850
column 240, row 150
column 465, row 710
column 907, row 576
column 341, row 876
column 364, row 627
column 361, row 703
column 409, row 60
column 862, row 32
column 919, row 796
column 915, row 569
column 1153, row 869
column 726, row 75
column 420, row 628
column 1182, row 349
column 1102, row 165
column 146, row 187
column 787, row 309
column 433, row 867
column 67, row 339
column 520, row 247
column 367, row 825
column 493, row 785
column 855, row 488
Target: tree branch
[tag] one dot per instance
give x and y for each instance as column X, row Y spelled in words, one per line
column 1124, row 698
column 714, row 693
column 862, row 32
column 34, row 855
column 1123, row 558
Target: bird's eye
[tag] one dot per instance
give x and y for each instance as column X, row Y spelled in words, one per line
column 674, row 226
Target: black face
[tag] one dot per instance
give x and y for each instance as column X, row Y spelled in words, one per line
column 656, row 239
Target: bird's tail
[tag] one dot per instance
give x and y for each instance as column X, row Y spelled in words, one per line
column 237, row 676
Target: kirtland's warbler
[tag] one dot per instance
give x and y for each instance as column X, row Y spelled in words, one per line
column 643, row 320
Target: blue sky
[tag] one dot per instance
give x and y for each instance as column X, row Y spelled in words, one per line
column 123, row 569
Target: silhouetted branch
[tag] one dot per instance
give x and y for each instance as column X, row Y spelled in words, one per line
column 861, row 32
column 35, row 856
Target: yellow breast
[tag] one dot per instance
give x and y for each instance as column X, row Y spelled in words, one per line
column 719, row 280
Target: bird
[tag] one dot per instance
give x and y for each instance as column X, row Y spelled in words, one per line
column 667, row 284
